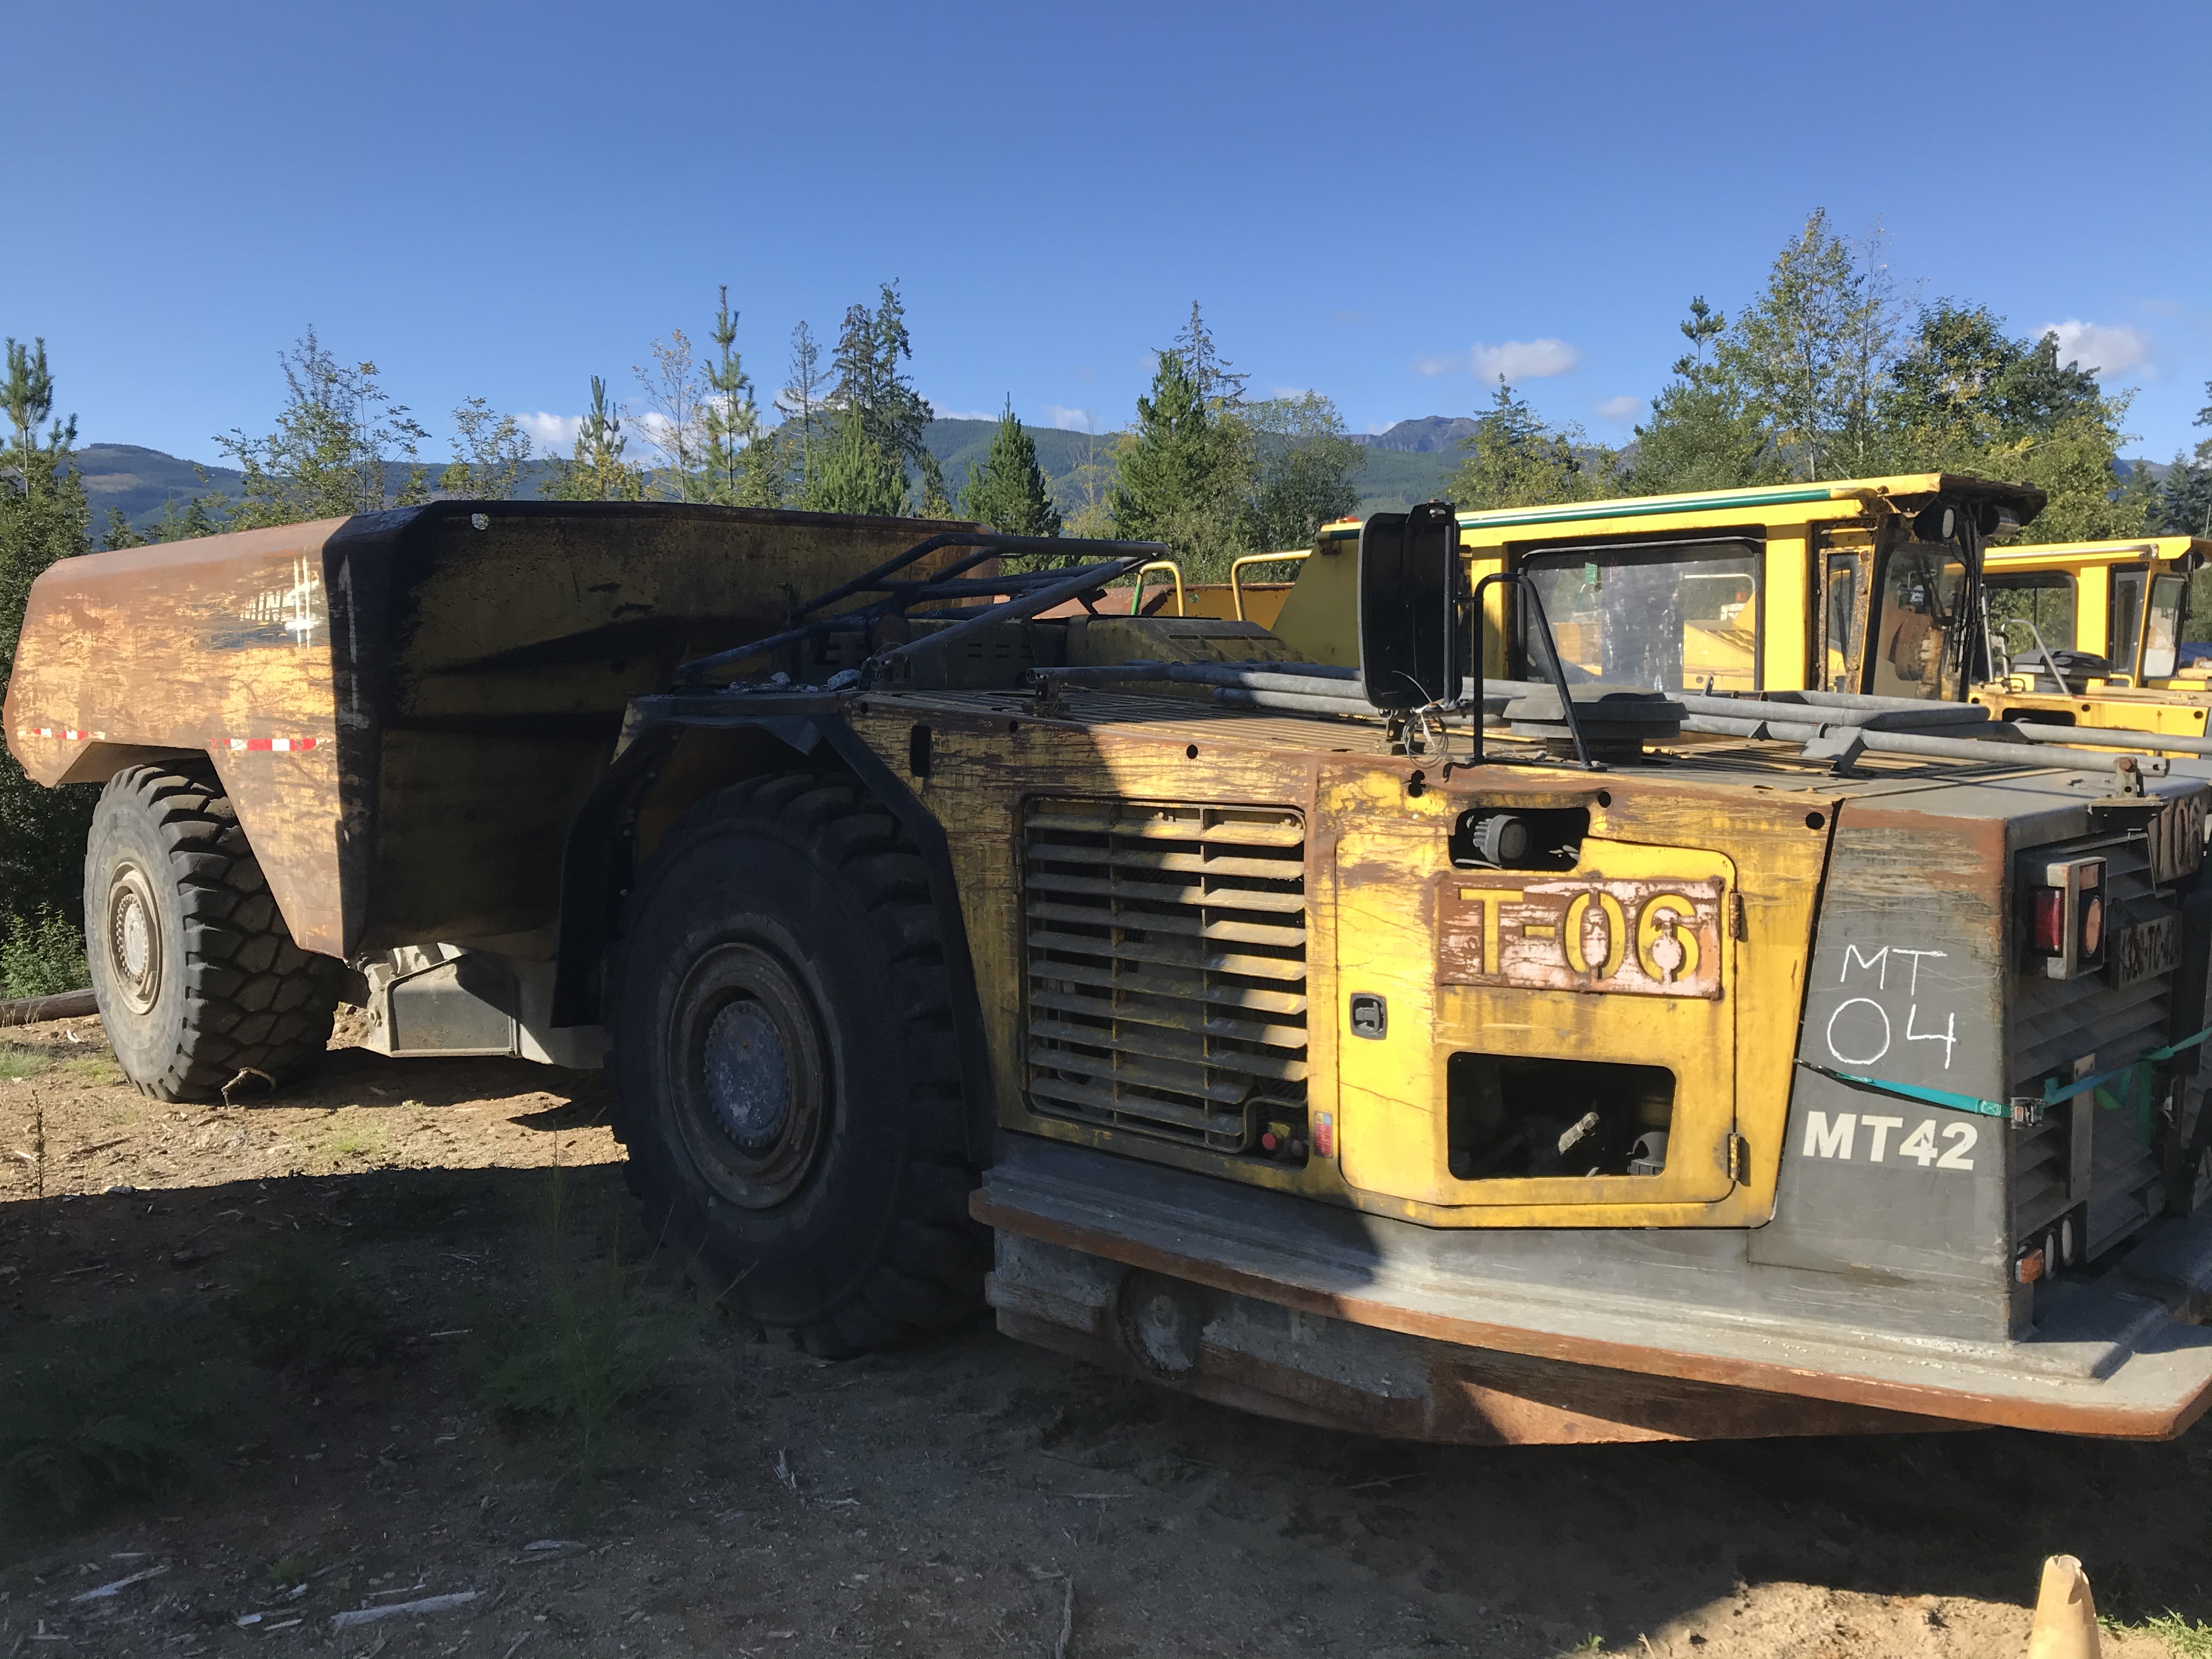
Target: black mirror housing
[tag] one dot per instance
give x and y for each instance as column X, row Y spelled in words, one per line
column 1410, row 651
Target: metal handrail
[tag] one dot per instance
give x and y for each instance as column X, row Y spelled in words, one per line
column 2036, row 634
column 1137, row 591
column 1236, row 588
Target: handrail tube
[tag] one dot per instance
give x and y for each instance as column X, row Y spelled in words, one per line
column 989, row 540
column 1081, row 581
column 1137, row 592
column 1909, row 742
column 1235, row 589
column 1301, row 702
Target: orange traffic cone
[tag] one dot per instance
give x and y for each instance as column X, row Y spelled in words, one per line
column 2065, row 1625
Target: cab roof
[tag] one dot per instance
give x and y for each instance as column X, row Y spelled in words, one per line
column 1905, row 491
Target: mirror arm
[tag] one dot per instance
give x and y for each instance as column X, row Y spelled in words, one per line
column 1556, row 670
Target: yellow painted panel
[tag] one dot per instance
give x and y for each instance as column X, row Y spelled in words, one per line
column 1789, row 612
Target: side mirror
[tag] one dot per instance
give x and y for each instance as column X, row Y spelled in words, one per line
column 1409, row 594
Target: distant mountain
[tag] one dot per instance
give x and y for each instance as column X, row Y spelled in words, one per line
column 1430, row 435
column 141, row 481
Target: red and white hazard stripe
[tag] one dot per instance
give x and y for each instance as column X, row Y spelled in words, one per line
column 68, row 734
column 264, row 745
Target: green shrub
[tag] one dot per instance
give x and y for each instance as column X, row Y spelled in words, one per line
column 295, row 1304
column 94, row 1413
column 41, row 955
column 595, row 1334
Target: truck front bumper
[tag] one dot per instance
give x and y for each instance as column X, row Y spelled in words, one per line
column 1275, row 1304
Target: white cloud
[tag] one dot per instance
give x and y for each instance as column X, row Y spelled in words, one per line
column 2102, row 348
column 1289, row 393
column 1514, row 359
column 1070, row 420
column 1623, row 408
column 552, row 433
column 1523, row 360
column 944, row 414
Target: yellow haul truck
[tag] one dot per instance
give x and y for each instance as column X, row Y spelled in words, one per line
column 2092, row 633
column 1497, row 1060
column 1793, row 588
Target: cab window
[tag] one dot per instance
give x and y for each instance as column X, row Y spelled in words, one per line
column 2028, row 608
column 1841, row 634
column 2169, row 596
column 1673, row 617
column 1920, row 635
column 2126, row 633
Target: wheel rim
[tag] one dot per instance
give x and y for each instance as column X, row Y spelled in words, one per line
column 133, row 937
column 751, row 1080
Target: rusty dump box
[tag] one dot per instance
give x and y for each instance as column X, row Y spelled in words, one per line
column 407, row 707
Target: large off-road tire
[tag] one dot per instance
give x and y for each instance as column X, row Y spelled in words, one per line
column 199, row 984
column 785, row 1069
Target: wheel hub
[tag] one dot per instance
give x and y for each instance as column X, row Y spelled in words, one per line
column 751, row 1075
column 134, row 939
column 748, row 1076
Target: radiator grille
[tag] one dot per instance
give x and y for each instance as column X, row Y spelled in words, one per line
column 1167, row 966
column 2054, row 1022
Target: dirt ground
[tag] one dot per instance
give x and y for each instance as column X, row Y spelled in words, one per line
column 973, row 1497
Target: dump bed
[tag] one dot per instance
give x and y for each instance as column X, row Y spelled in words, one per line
column 407, row 707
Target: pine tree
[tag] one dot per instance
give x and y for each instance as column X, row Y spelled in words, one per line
column 595, row 470
column 194, row 518
column 1183, row 473
column 1703, row 433
column 1513, row 458
column 857, row 475
column 44, row 517
column 119, row 533
column 1218, row 381
column 800, row 401
column 2185, row 502
column 731, row 422
column 334, row 449
column 1007, row 491
column 871, row 383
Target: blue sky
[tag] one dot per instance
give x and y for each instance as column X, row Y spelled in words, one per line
column 1385, row 204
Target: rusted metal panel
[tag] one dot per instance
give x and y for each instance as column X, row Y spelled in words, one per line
column 1651, row 937
column 2176, row 1398
column 406, row 708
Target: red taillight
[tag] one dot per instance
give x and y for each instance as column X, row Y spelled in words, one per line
column 2046, row 919
column 2064, row 919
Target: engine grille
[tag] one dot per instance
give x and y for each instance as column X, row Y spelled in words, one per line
column 1167, row 966
column 2055, row 1022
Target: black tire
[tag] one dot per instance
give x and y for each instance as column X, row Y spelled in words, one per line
column 198, row 981
column 785, row 1071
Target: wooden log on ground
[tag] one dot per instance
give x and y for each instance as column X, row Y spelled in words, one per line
column 30, row 1010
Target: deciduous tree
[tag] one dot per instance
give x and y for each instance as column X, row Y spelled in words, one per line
column 1304, row 468
column 489, row 453
column 340, row 440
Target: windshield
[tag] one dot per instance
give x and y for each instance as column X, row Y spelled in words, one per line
column 1920, row 640
column 1672, row 619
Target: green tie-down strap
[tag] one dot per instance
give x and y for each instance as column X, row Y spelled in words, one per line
column 2023, row 1111
column 2134, row 1078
